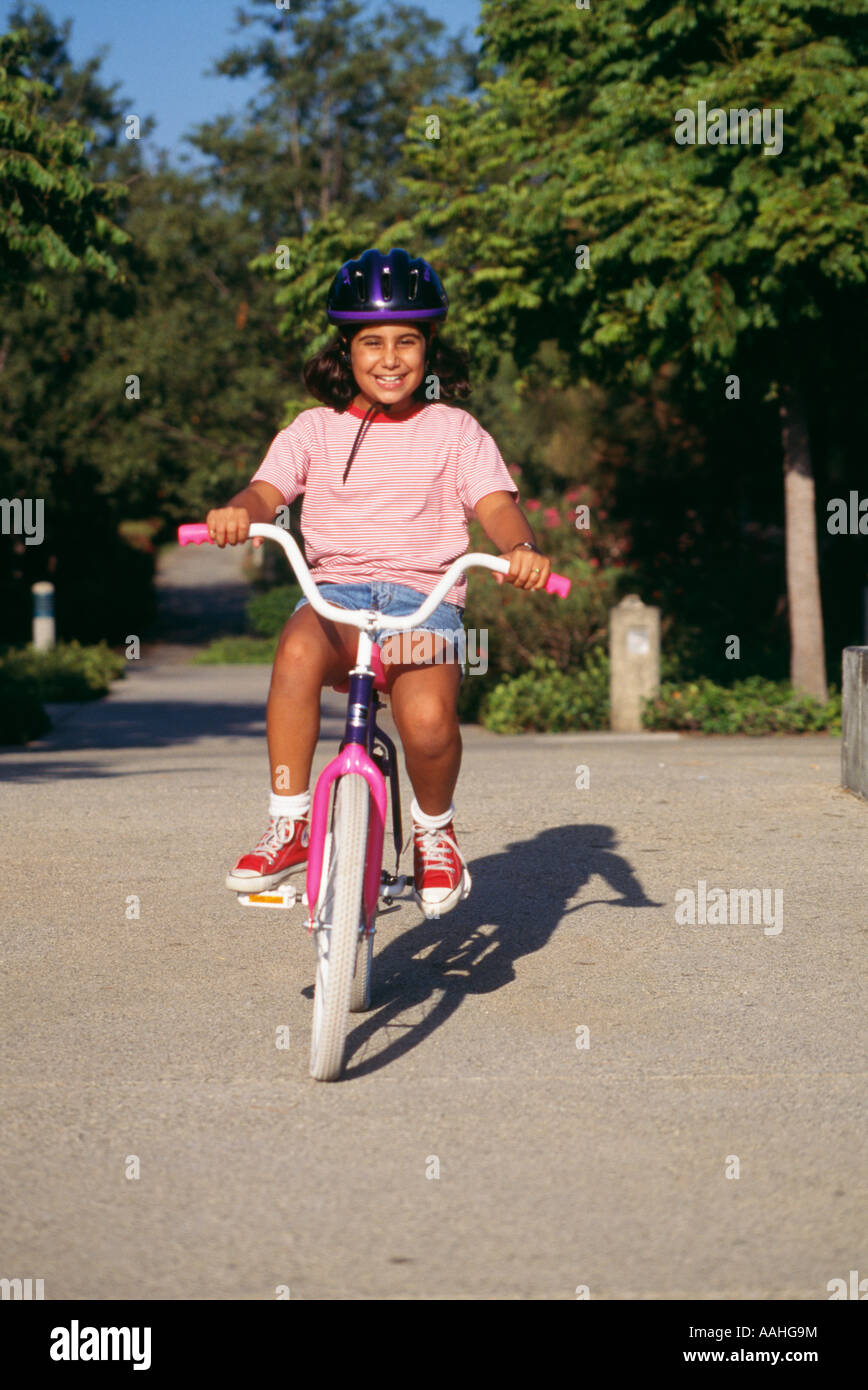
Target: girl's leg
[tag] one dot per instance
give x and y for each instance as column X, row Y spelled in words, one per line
column 311, row 653
column 424, row 707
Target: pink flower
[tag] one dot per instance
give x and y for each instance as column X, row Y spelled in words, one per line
column 514, row 470
column 532, row 506
column 573, row 494
column 594, row 562
column 552, row 516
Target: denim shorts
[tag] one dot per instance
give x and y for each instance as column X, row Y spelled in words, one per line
column 397, row 599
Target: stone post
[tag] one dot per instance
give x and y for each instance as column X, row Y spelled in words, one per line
column 854, row 720
column 634, row 653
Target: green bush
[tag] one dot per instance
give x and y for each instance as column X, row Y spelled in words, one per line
column 751, row 706
column 268, row 612
column 68, row 672
column 22, row 716
column 546, row 699
column 522, row 627
column 238, row 651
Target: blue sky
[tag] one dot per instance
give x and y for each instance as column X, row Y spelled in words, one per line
column 159, row 51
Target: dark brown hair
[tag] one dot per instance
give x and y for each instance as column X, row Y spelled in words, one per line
column 328, row 374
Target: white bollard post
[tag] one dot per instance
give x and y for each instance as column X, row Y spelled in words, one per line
column 634, row 652
column 43, row 616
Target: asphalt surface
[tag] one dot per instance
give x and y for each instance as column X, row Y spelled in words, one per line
column 148, row 1044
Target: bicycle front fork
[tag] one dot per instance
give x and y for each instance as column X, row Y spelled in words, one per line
column 384, row 753
column 362, row 729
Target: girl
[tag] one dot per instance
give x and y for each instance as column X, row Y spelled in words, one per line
column 390, row 478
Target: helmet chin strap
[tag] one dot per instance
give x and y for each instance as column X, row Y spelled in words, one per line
column 360, row 432
column 385, row 406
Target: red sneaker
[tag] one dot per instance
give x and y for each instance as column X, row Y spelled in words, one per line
column 283, row 847
column 440, row 876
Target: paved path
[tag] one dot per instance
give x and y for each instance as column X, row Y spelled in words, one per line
column 200, row 593
column 154, row 1039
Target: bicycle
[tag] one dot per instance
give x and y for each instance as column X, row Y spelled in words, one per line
column 345, row 872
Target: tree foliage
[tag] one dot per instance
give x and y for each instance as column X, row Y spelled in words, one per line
column 326, row 131
column 53, row 216
column 697, row 253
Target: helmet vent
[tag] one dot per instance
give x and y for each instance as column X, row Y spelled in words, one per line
column 387, row 282
column 361, row 287
column 413, row 284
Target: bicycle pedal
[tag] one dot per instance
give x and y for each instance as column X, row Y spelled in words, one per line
column 400, row 887
column 284, row 895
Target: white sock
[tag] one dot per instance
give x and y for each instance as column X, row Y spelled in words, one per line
column 293, row 807
column 430, row 822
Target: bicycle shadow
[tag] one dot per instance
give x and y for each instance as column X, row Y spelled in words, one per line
column 526, row 890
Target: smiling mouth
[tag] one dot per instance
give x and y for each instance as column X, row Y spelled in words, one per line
column 390, row 380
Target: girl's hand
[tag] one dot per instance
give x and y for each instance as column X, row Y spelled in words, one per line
column 230, row 526
column 527, row 568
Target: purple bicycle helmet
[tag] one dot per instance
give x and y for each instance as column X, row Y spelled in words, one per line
column 377, row 288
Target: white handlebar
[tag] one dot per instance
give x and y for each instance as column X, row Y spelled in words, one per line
column 366, row 619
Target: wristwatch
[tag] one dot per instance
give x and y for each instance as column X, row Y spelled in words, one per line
column 527, row 545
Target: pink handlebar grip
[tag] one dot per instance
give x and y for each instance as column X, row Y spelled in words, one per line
column 194, row 533
column 558, row 584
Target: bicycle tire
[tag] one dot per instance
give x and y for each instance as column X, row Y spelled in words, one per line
column 337, row 921
column 360, row 995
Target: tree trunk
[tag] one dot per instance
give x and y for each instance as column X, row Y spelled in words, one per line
column 325, row 144
column 807, row 648
column 295, row 151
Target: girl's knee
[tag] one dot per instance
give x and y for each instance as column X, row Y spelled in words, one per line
column 428, row 723
column 301, row 655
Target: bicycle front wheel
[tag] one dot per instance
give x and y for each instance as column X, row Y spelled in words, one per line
column 360, row 997
column 337, row 924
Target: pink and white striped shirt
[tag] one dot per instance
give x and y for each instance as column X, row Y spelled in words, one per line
column 402, row 514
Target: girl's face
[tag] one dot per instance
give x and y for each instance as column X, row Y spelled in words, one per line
column 388, row 362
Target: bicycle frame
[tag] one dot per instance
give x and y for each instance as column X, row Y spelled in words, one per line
column 358, row 751
column 356, row 755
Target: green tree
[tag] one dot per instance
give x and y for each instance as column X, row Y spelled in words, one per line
column 147, row 400
column 54, row 218
column 718, row 259
column 325, row 132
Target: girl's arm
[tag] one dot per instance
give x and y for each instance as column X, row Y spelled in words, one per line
column 505, row 525
column 229, row 524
